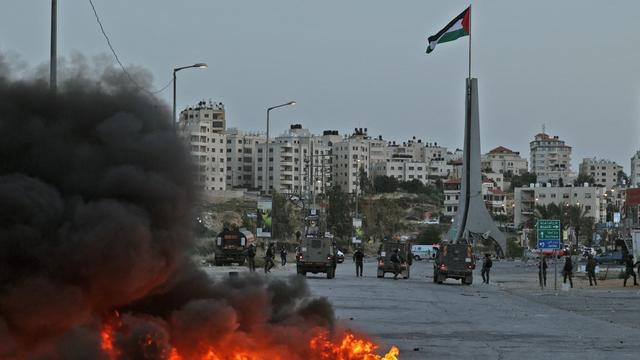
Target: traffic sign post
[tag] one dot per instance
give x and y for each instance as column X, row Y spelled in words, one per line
column 548, row 232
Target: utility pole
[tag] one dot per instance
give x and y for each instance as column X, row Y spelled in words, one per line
column 53, row 68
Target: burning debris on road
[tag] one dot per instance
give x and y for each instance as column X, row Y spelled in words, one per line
column 95, row 222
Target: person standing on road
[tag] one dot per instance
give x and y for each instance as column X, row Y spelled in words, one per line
column 251, row 255
column 358, row 257
column 283, row 256
column 486, row 268
column 542, row 271
column 567, row 271
column 268, row 258
column 591, row 270
column 629, row 270
column 395, row 260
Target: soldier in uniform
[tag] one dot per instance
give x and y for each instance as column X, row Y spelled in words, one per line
column 251, row 254
column 395, row 260
column 486, row 268
column 591, row 270
column 629, row 270
column 567, row 271
column 542, row 271
column 358, row 257
column 268, row 258
column 283, row 256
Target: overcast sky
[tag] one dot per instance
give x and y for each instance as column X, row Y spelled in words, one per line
column 573, row 66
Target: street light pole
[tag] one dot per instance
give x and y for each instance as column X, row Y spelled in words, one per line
column 266, row 156
column 53, row 68
column 175, row 70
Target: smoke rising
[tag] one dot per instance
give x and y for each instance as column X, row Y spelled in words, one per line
column 95, row 219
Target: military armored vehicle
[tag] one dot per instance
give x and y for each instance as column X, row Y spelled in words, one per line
column 454, row 261
column 384, row 258
column 316, row 255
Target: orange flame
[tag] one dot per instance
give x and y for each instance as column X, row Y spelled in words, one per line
column 349, row 348
column 320, row 347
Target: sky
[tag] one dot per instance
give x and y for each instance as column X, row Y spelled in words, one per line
column 572, row 66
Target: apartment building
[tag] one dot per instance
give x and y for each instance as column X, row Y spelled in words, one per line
column 526, row 199
column 403, row 168
column 551, row 160
column 241, row 158
column 505, row 161
column 604, row 172
column 348, row 156
column 202, row 128
column 285, row 164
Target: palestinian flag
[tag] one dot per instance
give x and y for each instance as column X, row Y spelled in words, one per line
column 457, row 28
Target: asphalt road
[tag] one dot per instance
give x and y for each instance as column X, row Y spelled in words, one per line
column 510, row 318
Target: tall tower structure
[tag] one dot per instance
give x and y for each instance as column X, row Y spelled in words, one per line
column 472, row 221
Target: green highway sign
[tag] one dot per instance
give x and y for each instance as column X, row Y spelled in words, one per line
column 548, row 232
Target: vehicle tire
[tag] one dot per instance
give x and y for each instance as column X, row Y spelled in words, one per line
column 416, row 257
column 329, row 273
column 380, row 273
column 406, row 274
column 435, row 276
column 440, row 279
column 468, row 280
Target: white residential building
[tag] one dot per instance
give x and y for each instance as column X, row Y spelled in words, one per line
column 604, row 172
column 494, row 198
column 349, row 155
column 551, row 160
column 502, row 160
column 241, row 158
column 286, row 167
column 403, row 168
column 451, row 197
column 202, row 127
column 634, row 176
column 593, row 200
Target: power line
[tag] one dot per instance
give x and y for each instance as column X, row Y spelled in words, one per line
column 115, row 55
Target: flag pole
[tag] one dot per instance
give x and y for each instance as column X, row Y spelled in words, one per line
column 470, row 41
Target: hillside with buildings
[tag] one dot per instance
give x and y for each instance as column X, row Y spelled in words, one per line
column 241, row 165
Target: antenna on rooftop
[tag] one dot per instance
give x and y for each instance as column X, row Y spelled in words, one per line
column 544, row 128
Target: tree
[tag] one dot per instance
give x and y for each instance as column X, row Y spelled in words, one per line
column 622, row 178
column 584, row 178
column 385, row 184
column 283, row 224
column 413, row 186
column 522, row 180
column 363, row 181
column 570, row 216
column 382, row 218
column 339, row 213
column 429, row 236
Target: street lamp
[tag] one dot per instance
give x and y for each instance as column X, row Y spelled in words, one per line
column 266, row 157
column 175, row 70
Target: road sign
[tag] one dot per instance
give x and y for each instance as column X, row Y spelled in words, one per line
column 548, row 234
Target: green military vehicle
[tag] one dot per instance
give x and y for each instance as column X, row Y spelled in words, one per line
column 316, row 255
column 454, row 261
column 384, row 258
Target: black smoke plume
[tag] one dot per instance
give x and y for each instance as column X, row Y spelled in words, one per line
column 96, row 203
